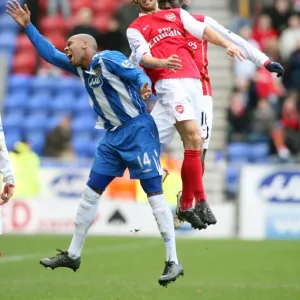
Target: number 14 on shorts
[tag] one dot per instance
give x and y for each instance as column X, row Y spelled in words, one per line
column 146, row 162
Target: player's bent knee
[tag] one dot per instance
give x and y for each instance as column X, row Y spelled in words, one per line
column 88, row 204
column 193, row 142
column 99, row 182
column 90, row 195
column 152, row 186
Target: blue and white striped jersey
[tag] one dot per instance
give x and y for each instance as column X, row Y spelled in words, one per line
column 112, row 82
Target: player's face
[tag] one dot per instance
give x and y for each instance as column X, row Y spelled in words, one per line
column 74, row 51
column 167, row 4
column 147, row 5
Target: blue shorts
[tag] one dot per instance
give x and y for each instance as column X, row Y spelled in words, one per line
column 134, row 145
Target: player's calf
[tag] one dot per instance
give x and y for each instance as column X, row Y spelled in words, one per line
column 61, row 260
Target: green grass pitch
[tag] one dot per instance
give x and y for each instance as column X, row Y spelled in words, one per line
column 115, row 268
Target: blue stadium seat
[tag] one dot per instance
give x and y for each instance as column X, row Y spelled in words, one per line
column 8, row 24
column 71, row 84
column 83, row 123
column 238, row 152
column 83, row 147
column 8, row 41
column 62, row 104
column 41, row 84
column 37, row 123
column 39, row 101
column 15, row 101
column 19, row 83
column 11, row 138
column 13, row 122
column 82, row 106
column 259, row 152
column 36, row 140
column 232, row 180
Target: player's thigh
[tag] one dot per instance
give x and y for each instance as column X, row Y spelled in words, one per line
column 175, row 96
column 142, row 154
column 164, row 125
column 190, row 134
column 107, row 160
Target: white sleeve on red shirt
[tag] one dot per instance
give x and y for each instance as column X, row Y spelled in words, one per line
column 191, row 25
column 138, row 45
column 5, row 165
column 251, row 53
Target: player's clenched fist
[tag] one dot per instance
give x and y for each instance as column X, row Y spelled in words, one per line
column 7, row 193
column 20, row 15
column 145, row 91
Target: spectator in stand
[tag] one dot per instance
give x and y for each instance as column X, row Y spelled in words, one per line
column 125, row 15
column 262, row 121
column 264, row 32
column 112, row 39
column 246, row 69
column 286, row 136
column 84, row 25
column 54, row 6
column 287, row 44
column 26, row 166
column 58, row 141
column 279, row 13
column 292, row 80
column 238, row 117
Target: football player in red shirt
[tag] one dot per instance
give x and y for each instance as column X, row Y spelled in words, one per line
column 158, row 42
column 199, row 49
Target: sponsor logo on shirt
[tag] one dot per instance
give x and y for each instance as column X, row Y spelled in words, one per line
column 163, row 33
column 95, row 82
column 179, row 109
column 171, row 17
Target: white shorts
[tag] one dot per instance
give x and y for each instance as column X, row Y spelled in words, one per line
column 178, row 100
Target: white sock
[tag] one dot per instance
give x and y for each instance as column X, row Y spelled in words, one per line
column 164, row 219
column 85, row 216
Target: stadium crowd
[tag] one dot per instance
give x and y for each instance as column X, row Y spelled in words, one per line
column 263, row 108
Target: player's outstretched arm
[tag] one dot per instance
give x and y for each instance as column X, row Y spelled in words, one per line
column 203, row 32
column 6, row 170
column 141, row 53
column 251, row 53
column 45, row 49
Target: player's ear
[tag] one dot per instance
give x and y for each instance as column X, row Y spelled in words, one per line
column 84, row 45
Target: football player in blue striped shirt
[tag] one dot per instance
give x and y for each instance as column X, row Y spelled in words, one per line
column 116, row 89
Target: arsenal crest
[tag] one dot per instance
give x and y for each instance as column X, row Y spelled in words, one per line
column 179, row 109
column 170, row 17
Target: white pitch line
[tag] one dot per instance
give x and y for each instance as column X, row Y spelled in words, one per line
column 104, row 248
